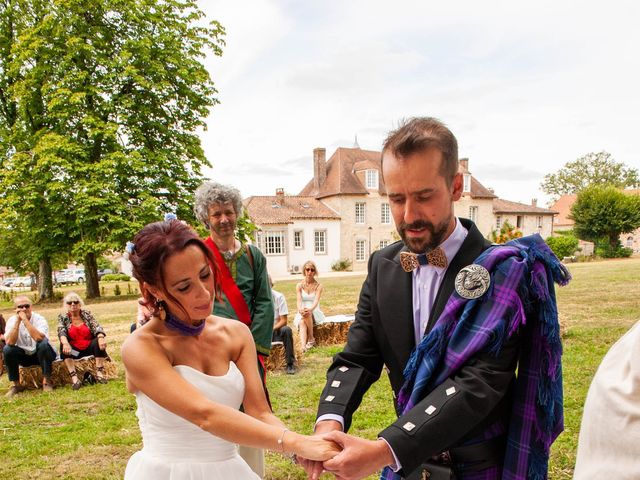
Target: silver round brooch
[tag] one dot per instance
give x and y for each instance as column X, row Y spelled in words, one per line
column 472, row 281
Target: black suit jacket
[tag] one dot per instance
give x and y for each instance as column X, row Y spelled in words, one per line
column 383, row 334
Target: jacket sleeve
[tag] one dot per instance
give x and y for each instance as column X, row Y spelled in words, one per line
column 62, row 330
column 359, row 365
column 262, row 315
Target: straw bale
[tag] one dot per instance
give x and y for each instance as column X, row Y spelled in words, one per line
column 31, row 377
column 277, row 359
column 331, row 333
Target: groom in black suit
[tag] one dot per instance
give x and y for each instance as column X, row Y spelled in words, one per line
column 396, row 308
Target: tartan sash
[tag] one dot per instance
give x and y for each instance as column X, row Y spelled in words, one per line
column 520, row 298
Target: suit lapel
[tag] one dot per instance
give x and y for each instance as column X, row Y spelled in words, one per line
column 396, row 289
column 473, row 245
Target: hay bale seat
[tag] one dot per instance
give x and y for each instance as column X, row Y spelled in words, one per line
column 31, row 377
column 277, row 359
column 333, row 331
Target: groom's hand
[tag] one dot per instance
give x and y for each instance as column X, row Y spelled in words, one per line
column 358, row 457
column 314, row 469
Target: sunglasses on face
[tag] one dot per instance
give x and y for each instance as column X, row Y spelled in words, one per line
column 25, row 306
column 73, row 302
column 310, row 269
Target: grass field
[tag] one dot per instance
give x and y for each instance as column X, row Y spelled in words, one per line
column 90, row 434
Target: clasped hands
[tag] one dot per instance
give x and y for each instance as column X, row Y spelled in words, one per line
column 356, row 459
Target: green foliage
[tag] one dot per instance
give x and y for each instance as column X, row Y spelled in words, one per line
column 605, row 211
column 116, row 290
column 99, row 110
column 591, row 169
column 604, row 250
column 563, row 245
column 112, row 277
column 507, row 232
column 245, row 228
column 341, row 265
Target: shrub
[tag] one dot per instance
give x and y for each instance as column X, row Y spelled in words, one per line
column 116, row 277
column 563, row 245
column 606, row 251
column 341, row 265
column 116, row 290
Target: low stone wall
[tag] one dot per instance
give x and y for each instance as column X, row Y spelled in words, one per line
column 31, row 377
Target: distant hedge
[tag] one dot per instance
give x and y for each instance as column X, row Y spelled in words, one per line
column 111, row 277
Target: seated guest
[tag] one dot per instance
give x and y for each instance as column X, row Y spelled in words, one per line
column 308, row 293
column 281, row 331
column 80, row 336
column 27, row 344
column 143, row 316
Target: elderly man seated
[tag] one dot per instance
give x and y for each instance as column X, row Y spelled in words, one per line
column 27, row 344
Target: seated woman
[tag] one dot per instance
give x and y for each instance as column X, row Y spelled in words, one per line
column 308, row 293
column 80, row 336
column 191, row 371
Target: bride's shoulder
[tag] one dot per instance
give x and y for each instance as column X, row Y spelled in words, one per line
column 226, row 325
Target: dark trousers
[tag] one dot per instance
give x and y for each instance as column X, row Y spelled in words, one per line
column 285, row 335
column 15, row 357
column 92, row 349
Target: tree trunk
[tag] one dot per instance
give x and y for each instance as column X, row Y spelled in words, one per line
column 45, row 283
column 91, row 272
column 614, row 238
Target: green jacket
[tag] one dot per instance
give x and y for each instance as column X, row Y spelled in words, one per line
column 254, row 285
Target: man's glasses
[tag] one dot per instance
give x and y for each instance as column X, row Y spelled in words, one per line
column 26, row 306
column 73, row 302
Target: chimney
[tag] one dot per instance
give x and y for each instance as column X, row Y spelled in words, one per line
column 463, row 165
column 280, row 196
column 534, row 202
column 319, row 167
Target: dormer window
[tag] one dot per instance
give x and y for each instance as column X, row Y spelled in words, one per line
column 371, row 178
column 466, row 183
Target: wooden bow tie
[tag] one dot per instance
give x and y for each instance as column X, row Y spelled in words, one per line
column 410, row 261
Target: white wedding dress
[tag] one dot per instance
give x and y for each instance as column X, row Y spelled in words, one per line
column 175, row 449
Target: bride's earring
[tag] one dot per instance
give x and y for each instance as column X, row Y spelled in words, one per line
column 162, row 313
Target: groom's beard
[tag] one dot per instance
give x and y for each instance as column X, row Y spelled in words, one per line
column 423, row 245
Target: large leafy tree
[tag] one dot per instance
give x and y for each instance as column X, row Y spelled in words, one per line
column 592, row 169
column 118, row 91
column 605, row 212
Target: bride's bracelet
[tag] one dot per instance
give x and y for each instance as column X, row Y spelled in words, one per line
column 291, row 456
column 281, row 440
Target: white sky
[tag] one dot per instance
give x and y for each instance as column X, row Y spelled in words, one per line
column 525, row 87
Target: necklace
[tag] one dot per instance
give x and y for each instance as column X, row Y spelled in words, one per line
column 184, row 329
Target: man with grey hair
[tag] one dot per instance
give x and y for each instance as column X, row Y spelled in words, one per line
column 246, row 294
column 27, row 345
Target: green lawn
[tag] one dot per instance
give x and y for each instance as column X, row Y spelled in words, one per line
column 90, row 434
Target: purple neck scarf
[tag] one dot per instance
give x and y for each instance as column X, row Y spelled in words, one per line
column 521, row 297
column 184, row 329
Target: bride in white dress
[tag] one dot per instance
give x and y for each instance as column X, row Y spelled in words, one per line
column 190, row 371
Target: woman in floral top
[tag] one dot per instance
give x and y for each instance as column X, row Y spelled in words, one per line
column 80, row 336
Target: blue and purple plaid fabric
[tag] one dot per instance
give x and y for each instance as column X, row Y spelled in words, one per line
column 521, row 298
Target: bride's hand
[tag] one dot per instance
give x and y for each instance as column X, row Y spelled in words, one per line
column 314, row 447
